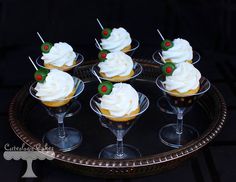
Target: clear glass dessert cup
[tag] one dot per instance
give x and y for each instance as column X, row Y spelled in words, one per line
column 137, row 68
column 178, row 134
column 134, row 46
column 157, row 58
column 75, row 106
column 78, row 60
column 63, row 138
column 162, row 102
column 119, row 129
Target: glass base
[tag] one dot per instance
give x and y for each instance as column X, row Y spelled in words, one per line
column 169, row 137
column 71, row 141
column 129, row 152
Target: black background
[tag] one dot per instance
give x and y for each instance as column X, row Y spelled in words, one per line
column 208, row 25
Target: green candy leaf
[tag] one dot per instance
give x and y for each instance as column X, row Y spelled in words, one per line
column 102, row 55
column 166, row 44
column 41, row 74
column 105, row 88
column 168, row 68
column 106, row 32
column 46, row 46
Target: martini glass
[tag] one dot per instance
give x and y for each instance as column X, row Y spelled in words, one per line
column 78, row 60
column 75, row 105
column 178, row 134
column 137, row 71
column 162, row 102
column 119, row 126
column 156, row 57
column 134, row 46
column 63, row 138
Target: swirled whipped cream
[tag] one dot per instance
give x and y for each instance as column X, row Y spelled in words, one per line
column 184, row 78
column 122, row 100
column 180, row 52
column 116, row 64
column 57, row 86
column 118, row 40
column 60, row 54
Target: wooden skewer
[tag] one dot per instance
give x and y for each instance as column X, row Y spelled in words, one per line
column 40, row 37
column 161, row 57
column 95, row 74
column 33, row 63
column 98, row 44
column 100, row 24
column 160, row 34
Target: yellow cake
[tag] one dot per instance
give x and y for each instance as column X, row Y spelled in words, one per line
column 185, row 94
column 118, row 78
column 60, row 102
column 126, row 49
column 126, row 117
column 62, row 68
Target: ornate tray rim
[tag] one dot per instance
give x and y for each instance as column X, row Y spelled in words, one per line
column 155, row 159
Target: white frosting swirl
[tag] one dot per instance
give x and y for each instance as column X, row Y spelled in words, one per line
column 121, row 101
column 57, row 86
column 180, row 52
column 60, row 54
column 118, row 40
column 184, row 78
column 116, row 64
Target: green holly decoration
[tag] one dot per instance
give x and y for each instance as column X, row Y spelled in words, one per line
column 103, row 54
column 41, row 74
column 166, row 44
column 105, row 88
column 46, row 46
column 106, row 32
column 168, row 68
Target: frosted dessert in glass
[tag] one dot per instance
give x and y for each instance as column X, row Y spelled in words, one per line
column 122, row 104
column 56, row 89
column 117, row 39
column 117, row 66
column 184, row 79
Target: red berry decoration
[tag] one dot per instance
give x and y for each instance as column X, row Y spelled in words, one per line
column 166, row 44
column 106, row 32
column 41, row 74
column 102, row 55
column 168, row 68
column 105, row 88
column 46, row 46
column 38, row 77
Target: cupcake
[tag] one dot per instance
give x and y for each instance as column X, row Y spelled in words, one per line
column 182, row 79
column 54, row 87
column 117, row 39
column 60, row 56
column 177, row 51
column 119, row 102
column 115, row 66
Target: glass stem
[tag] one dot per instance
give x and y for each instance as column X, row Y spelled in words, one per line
column 119, row 144
column 61, row 129
column 179, row 124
